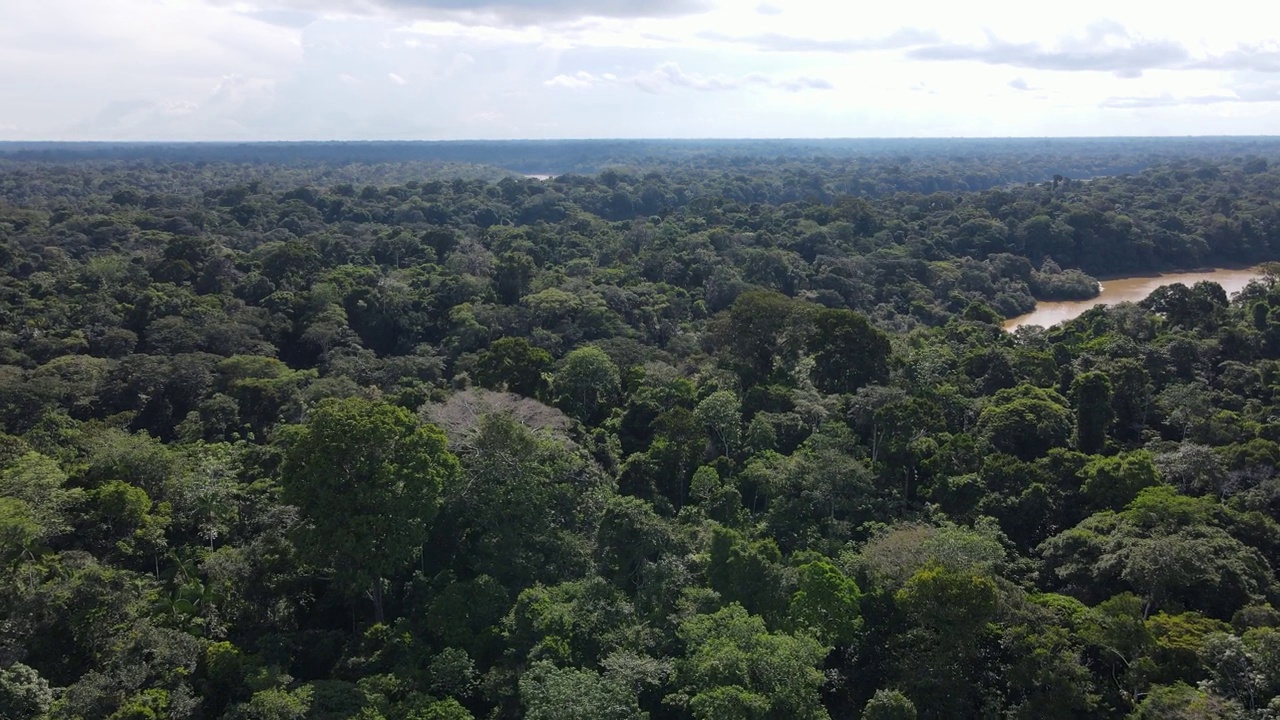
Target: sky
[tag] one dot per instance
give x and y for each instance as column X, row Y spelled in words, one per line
column 243, row 70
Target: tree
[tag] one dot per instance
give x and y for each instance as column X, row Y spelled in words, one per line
column 128, row 522
column 816, row 496
column 826, row 603
column 1092, row 394
column 939, row 659
column 631, row 539
column 265, row 388
column 1174, row 550
column 896, row 553
column 848, row 351
column 24, row 695
column 719, row 498
column 889, row 705
column 515, row 365
column 1026, row 421
column 1117, row 631
column 735, row 668
column 1131, row 398
column 441, row 710
column 552, row 693
column 1045, row 670
column 38, row 483
column 721, row 413
column 1113, row 482
column 1245, row 668
column 20, row 533
column 274, row 704
column 586, row 382
column 1183, row 702
column 366, row 477
column 1193, row 469
column 1186, row 405
column 759, row 331
column 526, row 508
column 747, row 572
column 573, row 623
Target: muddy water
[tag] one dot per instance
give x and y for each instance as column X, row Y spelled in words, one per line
column 1131, row 289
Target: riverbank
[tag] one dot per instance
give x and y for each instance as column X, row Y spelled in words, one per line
column 1132, row 288
column 1225, row 267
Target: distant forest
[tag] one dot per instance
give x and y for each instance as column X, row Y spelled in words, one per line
column 690, row 430
column 941, row 164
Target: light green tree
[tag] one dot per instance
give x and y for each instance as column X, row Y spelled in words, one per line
column 24, row 695
column 735, row 668
column 721, row 413
column 586, row 381
column 34, row 497
column 1026, row 421
column 826, row 603
column 1113, row 482
column 889, row 705
column 552, row 693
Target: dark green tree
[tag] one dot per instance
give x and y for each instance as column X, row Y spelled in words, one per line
column 515, row 365
column 759, row 331
column 747, row 572
column 1026, row 421
column 939, row 658
column 1091, row 393
column 366, row 477
column 848, row 351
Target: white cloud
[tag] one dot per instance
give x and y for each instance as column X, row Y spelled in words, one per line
column 578, row 81
column 396, row 79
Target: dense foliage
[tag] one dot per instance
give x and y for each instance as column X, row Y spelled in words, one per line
column 710, row 438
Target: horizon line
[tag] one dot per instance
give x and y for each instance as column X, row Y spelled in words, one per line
column 639, row 139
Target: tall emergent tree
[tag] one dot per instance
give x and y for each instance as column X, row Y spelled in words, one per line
column 848, row 350
column 366, row 477
column 1092, row 395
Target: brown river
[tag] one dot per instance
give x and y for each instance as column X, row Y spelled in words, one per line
column 1131, row 289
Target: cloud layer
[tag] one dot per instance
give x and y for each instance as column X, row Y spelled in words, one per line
column 559, row 8
column 447, row 69
column 1104, row 47
column 1128, row 59
column 1263, row 92
column 510, row 11
column 668, row 76
column 775, row 42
